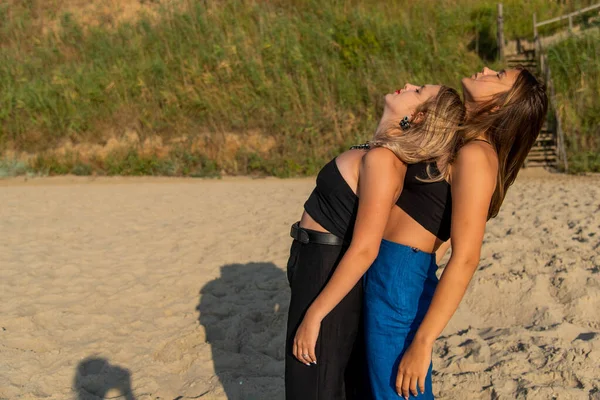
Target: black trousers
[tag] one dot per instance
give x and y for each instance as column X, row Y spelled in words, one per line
column 340, row 372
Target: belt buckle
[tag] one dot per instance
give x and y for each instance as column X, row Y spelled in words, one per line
column 303, row 236
column 300, row 234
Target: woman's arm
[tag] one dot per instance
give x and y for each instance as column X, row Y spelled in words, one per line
column 473, row 184
column 380, row 182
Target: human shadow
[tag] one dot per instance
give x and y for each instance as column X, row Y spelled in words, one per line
column 96, row 378
column 244, row 315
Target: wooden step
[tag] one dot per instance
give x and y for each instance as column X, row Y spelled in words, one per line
column 543, row 146
column 524, row 62
column 533, row 155
column 528, row 61
column 529, row 56
column 542, row 158
column 546, row 149
column 534, row 71
column 527, row 66
column 532, row 68
column 539, row 164
column 542, row 137
column 544, row 141
column 529, row 164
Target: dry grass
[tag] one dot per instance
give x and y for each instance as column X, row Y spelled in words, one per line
column 47, row 13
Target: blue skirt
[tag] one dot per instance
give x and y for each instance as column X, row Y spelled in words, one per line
column 398, row 289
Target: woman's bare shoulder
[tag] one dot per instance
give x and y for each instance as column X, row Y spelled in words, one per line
column 477, row 154
column 351, row 155
column 383, row 157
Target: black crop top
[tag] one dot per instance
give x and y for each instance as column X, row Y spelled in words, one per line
column 430, row 204
column 334, row 205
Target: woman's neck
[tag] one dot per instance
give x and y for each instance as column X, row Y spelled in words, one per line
column 386, row 120
column 470, row 108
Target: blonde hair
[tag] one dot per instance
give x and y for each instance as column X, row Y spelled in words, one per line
column 511, row 121
column 434, row 139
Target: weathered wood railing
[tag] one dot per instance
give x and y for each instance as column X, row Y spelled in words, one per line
column 546, row 74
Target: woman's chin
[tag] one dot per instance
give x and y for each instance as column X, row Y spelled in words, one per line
column 465, row 82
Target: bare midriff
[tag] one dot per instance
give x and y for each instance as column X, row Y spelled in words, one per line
column 307, row 222
column 401, row 228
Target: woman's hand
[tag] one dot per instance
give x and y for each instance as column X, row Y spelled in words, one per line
column 413, row 369
column 305, row 340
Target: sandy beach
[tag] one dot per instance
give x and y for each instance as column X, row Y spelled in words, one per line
column 128, row 288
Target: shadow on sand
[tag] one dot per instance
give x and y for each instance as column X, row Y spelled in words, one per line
column 96, row 378
column 244, row 314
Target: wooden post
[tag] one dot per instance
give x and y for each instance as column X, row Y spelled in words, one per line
column 500, row 33
column 570, row 22
column 535, row 35
column 477, row 38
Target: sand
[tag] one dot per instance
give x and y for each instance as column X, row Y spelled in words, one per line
column 176, row 289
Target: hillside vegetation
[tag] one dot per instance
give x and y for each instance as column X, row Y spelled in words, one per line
column 575, row 65
column 204, row 87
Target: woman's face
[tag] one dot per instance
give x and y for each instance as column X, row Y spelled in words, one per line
column 487, row 83
column 403, row 102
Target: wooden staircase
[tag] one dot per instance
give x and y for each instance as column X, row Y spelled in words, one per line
column 544, row 152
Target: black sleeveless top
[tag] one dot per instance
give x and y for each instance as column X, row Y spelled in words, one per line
column 334, row 205
column 428, row 203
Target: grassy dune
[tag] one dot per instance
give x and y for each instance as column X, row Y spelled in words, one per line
column 201, row 87
column 575, row 65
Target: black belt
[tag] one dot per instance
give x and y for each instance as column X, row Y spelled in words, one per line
column 309, row 236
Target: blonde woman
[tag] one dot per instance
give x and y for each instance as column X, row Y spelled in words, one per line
column 419, row 123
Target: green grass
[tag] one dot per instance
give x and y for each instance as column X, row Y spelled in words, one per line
column 575, row 65
column 308, row 74
column 11, row 167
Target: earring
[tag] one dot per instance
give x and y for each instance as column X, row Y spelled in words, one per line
column 404, row 123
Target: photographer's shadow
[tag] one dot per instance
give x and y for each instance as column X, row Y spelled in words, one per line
column 244, row 314
column 96, row 378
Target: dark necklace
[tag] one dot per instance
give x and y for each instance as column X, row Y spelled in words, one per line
column 364, row 146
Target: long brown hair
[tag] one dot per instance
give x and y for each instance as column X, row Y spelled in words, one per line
column 511, row 121
column 433, row 139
